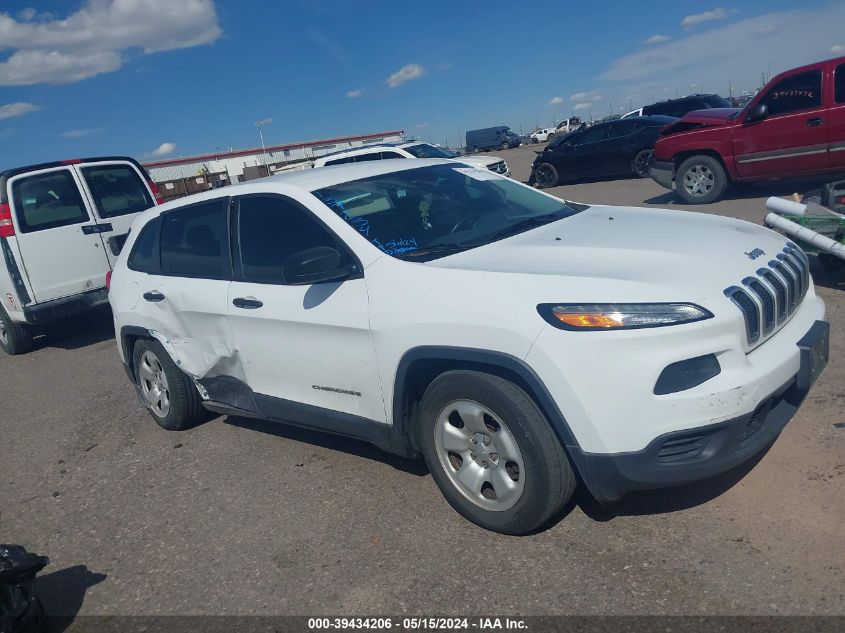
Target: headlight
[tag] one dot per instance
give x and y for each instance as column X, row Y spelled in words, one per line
column 618, row 316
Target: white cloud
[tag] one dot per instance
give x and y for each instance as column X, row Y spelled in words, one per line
column 555, row 101
column 421, row 126
column 757, row 41
column 657, row 39
column 406, row 73
column 82, row 132
column 585, row 96
column 837, row 48
column 27, row 14
column 53, row 50
column 162, row 150
column 582, row 106
column 17, row 109
column 354, row 94
column 707, row 16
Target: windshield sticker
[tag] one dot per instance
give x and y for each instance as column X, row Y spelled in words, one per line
column 397, row 246
column 401, row 193
column 477, row 174
column 362, row 225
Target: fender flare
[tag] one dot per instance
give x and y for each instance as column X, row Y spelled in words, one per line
column 400, row 429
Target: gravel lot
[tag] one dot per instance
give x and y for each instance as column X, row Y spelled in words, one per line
column 239, row 517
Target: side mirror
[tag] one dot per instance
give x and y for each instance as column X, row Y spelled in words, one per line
column 758, row 113
column 315, row 265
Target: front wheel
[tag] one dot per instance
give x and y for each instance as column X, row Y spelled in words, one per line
column 492, row 452
column 701, row 180
column 170, row 395
column 505, row 146
column 546, row 175
column 641, row 163
column 15, row 338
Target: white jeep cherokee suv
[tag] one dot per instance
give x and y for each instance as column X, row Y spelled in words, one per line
column 510, row 338
column 409, row 149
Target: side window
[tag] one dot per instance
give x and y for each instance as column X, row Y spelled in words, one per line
column 362, row 158
column 195, row 241
column 795, row 93
column 117, row 190
column 594, row 134
column 270, row 230
column 386, row 155
column 144, row 257
column 338, row 161
column 621, row 128
column 48, row 201
column 839, row 84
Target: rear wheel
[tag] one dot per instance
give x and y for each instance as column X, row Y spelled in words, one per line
column 701, row 179
column 170, row 395
column 551, row 137
column 505, row 145
column 492, row 453
column 15, row 338
column 546, row 175
column 641, row 162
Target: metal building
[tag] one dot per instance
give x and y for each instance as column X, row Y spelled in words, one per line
column 239, row 165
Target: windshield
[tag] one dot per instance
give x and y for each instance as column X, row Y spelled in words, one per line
column 429, row 212
column 424, row 150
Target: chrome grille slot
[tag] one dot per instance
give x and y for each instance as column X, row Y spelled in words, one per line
column 780, row 292
column 749, row 309
column 767, row 300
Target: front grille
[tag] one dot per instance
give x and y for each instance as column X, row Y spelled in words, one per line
column 681, row 448
column 769, row 299
column 500, row 167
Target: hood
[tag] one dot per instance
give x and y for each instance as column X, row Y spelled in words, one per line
column 480, row 161
column 701, row 118
column 630, row 254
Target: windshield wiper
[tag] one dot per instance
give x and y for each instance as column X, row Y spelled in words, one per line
column 523, row 225
column 446, row 247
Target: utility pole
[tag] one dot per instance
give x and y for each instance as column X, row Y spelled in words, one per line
column 259, row 125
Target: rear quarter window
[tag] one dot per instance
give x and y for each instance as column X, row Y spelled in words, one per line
column 195, row 241
column 144, row 257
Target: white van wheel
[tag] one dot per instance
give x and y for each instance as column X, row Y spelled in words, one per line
column 15, row 338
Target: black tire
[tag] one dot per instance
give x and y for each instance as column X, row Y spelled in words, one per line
column 831, row 263
column 546, row 176
column 505, row 146
column 185, row 409
column 475, row 150
column 15, row 338
column 711, row 189
column 549, row 481
column 641, row 162
column 550, row 137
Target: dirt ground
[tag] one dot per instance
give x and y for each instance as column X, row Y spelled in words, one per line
column 242, row 517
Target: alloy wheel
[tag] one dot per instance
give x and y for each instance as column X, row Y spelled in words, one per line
column 641, row 162
column 4, row 333
column 479, row 455
column 545, row 176
column 154, row 385
column 699, row 180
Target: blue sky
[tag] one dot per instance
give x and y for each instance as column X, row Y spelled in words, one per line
column 178, row 77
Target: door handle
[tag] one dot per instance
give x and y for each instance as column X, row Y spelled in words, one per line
column 97, row 228
column 153, row 296
column 247, row 304
column 814, row 122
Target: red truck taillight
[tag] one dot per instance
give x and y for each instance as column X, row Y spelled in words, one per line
column 156, row 193
column 7, row 228
column 108, row 280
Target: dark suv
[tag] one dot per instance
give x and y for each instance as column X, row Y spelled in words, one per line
column 617, row 148
column 679, row 107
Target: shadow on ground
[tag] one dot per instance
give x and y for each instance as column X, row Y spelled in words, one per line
column 332, row 442
column 741, row 191
column 63, row 592
column 77, row 331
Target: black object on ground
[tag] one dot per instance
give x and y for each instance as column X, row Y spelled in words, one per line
column 20, row 608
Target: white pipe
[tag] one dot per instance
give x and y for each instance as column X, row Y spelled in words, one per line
column 783, row 206
column 808, row 236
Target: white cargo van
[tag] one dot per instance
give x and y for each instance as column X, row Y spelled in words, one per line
column 62, row 225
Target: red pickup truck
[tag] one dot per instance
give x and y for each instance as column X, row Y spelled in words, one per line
column 794, row 127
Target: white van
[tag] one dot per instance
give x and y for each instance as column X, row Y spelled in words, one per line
column 62, row 225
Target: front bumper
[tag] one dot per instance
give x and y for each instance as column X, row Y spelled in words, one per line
column 663, row 173
column 686, row 456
